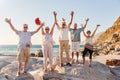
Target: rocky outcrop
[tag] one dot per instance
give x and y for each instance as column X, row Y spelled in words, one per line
column 98, row 71
column 113, row 62
column 108, row 34
column 109, row 41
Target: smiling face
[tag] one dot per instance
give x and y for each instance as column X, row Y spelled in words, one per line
column 25, row 27
column 47, row 29
column 75, row 25
column 88, row 33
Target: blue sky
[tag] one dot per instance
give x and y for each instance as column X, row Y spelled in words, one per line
column 103, row 12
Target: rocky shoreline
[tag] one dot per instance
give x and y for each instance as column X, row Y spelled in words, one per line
column 99, row 71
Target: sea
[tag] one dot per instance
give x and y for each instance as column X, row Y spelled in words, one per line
column 13, row 49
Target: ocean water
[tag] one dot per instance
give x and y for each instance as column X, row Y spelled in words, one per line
column 12, row 49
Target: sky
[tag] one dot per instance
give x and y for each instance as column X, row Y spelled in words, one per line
column 103, row 12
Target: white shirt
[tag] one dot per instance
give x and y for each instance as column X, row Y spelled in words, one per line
column 63, row 33
column 89, row 41
column 24, row 38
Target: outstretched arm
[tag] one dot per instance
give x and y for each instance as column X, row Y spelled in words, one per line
column 84, row 26
column 9, row 22
column 71, row 19
column 42, row 24
column 95, row 30
column 52, row 30
column 55, row 18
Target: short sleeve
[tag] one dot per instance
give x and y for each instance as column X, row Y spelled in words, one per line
column 18, row 32
column 81, row 29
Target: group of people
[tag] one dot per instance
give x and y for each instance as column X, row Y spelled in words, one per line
column 47, row 42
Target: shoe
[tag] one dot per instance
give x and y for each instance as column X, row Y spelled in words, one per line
column 68, row 64
column 61, row 65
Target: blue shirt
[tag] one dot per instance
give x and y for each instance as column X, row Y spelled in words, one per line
column 75, row 34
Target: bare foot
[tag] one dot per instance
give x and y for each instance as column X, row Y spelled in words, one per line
column 90, row 65
column 18, row 73
column 52, row 69
column 72, row 61
column 44, row 69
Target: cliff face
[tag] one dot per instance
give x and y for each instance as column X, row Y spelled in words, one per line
column 108, row 34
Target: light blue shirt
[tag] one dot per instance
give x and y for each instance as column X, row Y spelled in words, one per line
column 75, row 34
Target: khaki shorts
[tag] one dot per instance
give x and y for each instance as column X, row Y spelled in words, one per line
column 23, row 54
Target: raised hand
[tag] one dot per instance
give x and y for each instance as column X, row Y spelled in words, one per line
column 98, row 25
column 87, row 19
column 55, row 13
column 7, row 20
column 42, row 24
column 72, row 13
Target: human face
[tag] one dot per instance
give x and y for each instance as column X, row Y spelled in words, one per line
column 88, row 33
column 25, row 27
column 75, row 25
column 47, row 29
column 63, row 24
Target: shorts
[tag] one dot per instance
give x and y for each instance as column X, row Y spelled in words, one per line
column 23, row 54
column 75, row 47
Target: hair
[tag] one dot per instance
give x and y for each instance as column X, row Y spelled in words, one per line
column 88, row 31
column 47, row 27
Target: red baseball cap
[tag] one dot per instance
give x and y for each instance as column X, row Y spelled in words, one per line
column 37, row 21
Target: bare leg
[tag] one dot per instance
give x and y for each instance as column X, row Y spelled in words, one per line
column 77, row 54
column 83, row 60
column 72, row 58
column 90, row 64
column 25, row 66
column 19, row 68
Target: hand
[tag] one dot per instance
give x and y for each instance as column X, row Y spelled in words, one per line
column 87, row 19
column 54, row 13
column 42, row 24
column 8, row 20
column 72, row 13
column 98, row 25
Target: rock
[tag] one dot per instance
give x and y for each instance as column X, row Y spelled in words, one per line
column 39, row 53
column 79, row 72
column 3, row 63
column 113, row 62
column 26, row 76
column 32, row 54
column 10, row 69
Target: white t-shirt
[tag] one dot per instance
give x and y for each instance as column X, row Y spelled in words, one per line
column 63, row 33
column 24, row 38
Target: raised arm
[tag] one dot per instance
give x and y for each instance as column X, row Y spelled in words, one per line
column 9, row 22
column 95, row 30
column 52, row 30
column 42, row 24
column 42, row 30
column 86, row 21
column 71, row 19
column 84, row 31
column 55, row 18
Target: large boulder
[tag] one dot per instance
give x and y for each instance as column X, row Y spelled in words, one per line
column 98, row 71
column 26, row 76
column 39, row 53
